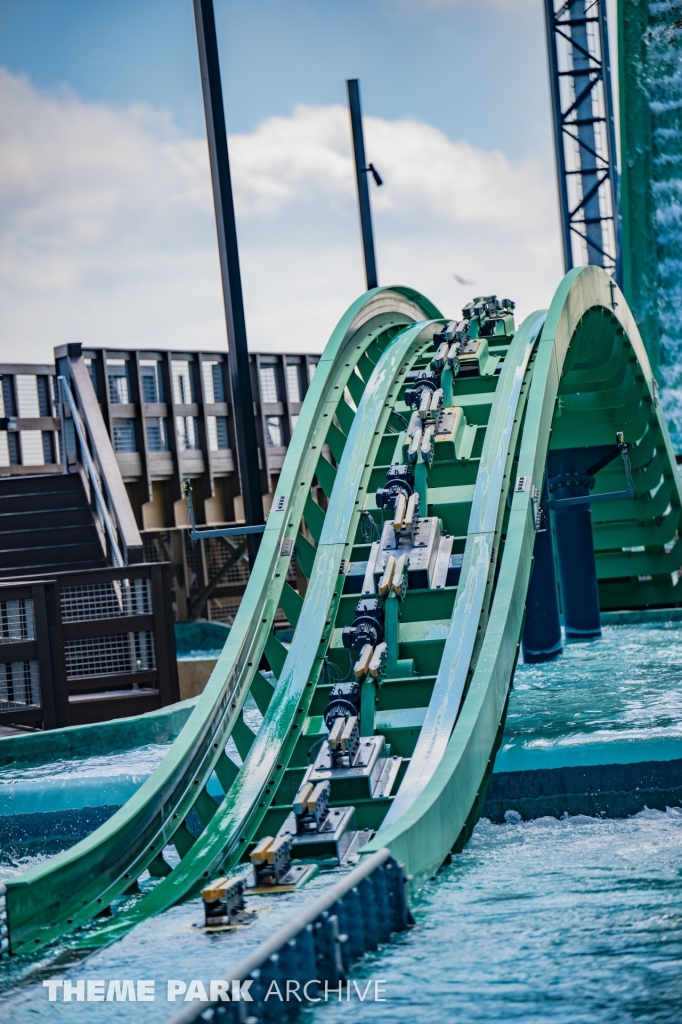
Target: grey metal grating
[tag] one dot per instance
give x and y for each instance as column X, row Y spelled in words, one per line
column 110, row 655
column 217, row 553
column 151, row 548
column 19, row 685
column 106, row 600
column 16, row 621
column 224, row 613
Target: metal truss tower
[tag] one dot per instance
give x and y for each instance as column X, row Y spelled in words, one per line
column 584, row 133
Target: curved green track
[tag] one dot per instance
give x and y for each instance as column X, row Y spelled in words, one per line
column 571, row 376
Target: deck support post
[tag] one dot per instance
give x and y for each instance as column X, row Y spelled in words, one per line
column 421, row 486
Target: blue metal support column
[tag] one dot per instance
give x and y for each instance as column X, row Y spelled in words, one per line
column 584, row 134
column 577, row 572
column 245, row 442
column 541, row 640
column 361, row 172
column 570, row 479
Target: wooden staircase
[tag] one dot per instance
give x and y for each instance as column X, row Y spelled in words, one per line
column 46, row 526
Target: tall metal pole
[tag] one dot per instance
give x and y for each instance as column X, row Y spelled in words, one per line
column 361, row 171
column 238, row 353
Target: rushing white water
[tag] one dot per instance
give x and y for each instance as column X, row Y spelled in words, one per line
column 562, row 921
column 664, row 81
column 567, row 922
column 559, row 921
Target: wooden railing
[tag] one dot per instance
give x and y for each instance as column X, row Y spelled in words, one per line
column 97, row 462
column 44, row 413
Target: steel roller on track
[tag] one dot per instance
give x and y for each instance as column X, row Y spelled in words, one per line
column 424, row 676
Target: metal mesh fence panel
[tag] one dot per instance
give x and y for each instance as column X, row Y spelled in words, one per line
column 219, row 612
column 16, row 621
column 108, row 600
column 151, row 549
column 110, row 655
column 19, row 685
column 217, row 554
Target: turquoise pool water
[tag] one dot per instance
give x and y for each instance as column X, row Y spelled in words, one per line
column 108, row 779
column 77, row 782
column 573, row 920
column 608, row 701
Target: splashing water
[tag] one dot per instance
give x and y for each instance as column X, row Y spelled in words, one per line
column 664, row 82
column 568, row 922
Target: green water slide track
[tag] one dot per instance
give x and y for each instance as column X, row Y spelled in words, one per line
column 569, row 377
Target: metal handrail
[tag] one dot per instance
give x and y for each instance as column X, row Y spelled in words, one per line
column 589, row 499
column 65, row 391
column 228, row 531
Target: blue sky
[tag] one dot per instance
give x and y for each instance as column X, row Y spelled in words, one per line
column 475, row 70
column 106, row 230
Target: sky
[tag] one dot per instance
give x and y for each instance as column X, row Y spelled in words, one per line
column 106, row 222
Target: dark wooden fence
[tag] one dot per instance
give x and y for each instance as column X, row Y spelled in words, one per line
column 88, row 646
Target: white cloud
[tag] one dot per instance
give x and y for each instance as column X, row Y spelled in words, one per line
column 107, row 236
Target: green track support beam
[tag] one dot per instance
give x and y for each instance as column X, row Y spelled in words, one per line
column 276, row 653
column 344, row 415
column 291, row 603
column 391, row 633
column 243, row 737
column 355, row 386
column 226, row 770
column 326, row 474
column 314, row 518
column 261, row 691
column 336, row 440
column 569, row 377
column 368, row 703
column 421, row 485
column 447, row 382
column 305, row 555
column 183, row 840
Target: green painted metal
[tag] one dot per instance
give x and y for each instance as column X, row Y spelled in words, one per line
column 478, row 569
column 73, row 887
column 566, row 406
column 235, row 823
column 570, row 377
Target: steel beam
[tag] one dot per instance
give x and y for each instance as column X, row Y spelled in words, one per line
column 361, row 170
column 238, row 353
column 584, row 133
